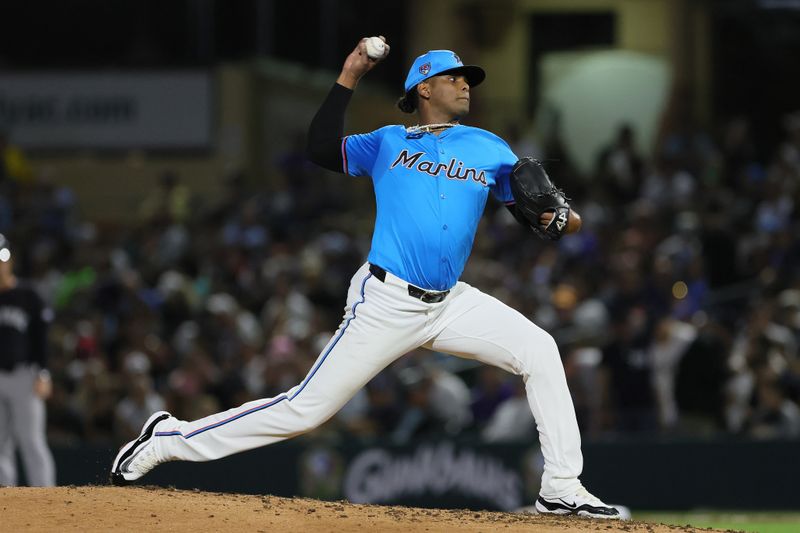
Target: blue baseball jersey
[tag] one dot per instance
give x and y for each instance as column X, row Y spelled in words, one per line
column 430, row 192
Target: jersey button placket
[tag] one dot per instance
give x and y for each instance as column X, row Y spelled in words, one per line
column 442, row 196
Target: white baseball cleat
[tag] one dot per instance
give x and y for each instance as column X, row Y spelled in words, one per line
column 138, row 457
column 580, row 503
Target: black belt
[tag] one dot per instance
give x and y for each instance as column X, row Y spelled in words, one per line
column 429, row 297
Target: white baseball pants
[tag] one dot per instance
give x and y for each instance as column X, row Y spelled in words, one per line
column 381, row 323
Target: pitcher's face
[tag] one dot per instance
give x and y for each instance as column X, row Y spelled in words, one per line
column 448, row 93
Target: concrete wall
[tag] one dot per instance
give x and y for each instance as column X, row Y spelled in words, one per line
column 642, row 26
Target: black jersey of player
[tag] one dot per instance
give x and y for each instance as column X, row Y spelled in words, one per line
column 23, row 328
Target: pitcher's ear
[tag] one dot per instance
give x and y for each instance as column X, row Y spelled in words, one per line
column 424, row 90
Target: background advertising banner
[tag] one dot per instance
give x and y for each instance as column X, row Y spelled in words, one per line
column 161, row 110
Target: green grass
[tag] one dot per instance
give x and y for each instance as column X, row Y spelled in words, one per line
column 755, row 521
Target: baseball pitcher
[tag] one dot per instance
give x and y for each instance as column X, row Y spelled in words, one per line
column 431, row 183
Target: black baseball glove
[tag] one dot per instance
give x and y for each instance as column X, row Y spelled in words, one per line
column 535, row 195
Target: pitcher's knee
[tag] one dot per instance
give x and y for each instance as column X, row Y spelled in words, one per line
column 308, row 423
column 310, row 419
column 30, row 444
column 540, row 349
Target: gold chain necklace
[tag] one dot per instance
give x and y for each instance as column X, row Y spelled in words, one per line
column 428, row 128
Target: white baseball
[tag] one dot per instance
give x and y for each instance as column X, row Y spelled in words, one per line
column 376, row 48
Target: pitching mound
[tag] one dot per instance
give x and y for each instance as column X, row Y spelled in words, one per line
column 158, row 509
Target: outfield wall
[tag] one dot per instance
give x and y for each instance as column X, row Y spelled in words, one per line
column 642, row 473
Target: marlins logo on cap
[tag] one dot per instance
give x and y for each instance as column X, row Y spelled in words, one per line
column 436, row 62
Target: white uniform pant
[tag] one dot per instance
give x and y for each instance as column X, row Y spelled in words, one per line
column 381, row 323
column 22, row 427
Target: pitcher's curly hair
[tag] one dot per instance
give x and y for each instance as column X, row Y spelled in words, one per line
column 409, row 101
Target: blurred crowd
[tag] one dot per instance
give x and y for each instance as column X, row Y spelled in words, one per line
column 676, row 308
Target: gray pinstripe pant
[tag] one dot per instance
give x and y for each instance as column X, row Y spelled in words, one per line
column 22, row 425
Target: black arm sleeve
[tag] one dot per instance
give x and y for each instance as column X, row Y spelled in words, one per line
column 327, row 129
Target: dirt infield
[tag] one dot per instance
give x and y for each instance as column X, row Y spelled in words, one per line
column 157, row 509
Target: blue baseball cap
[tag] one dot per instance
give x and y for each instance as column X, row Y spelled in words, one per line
column 436, row 62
